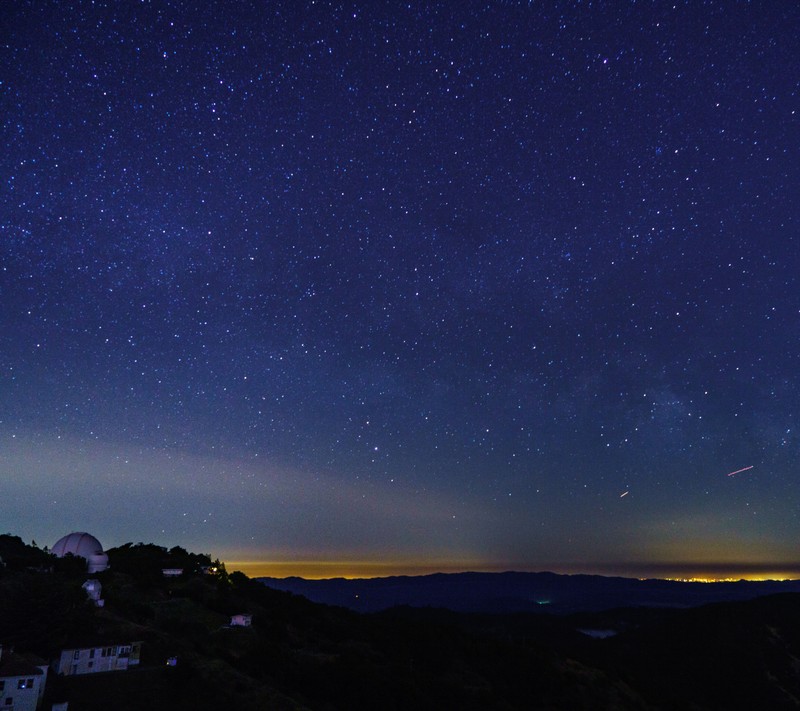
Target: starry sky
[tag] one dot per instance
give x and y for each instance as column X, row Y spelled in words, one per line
column 377, row 287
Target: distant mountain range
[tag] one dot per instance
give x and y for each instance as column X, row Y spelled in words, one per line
column 521, row 592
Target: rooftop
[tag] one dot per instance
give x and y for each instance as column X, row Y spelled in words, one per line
column 12, row 664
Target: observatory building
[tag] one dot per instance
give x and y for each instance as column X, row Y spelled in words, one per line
column 84, row 545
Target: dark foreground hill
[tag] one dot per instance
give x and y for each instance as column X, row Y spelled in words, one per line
column 301, row 655
column 521, row 592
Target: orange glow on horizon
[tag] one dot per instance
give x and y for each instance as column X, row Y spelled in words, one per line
column 324, row 569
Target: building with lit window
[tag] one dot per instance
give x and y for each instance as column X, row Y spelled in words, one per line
column 22, row 681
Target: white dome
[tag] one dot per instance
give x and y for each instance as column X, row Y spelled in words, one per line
column 84, row 545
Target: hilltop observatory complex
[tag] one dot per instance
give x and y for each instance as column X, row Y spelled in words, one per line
column 84, row 545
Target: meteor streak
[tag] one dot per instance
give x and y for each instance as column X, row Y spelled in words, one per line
column 624, row 493
column 739, row 471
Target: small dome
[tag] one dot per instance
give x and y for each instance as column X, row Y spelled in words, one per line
column 84, row 545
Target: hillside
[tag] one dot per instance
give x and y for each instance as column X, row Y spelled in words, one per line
column 302, row 655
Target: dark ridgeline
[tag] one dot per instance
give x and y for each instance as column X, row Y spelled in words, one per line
column 521, row 592
column 302, row 655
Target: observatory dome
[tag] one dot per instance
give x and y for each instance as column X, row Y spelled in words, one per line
column 84, row 545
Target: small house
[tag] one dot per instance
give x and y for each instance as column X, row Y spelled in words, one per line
column 241, row 620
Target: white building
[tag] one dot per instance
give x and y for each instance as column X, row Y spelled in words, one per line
column 94, row 590
column 22, row 682
column 241, row 620
column 84, row 546
column 90, row 660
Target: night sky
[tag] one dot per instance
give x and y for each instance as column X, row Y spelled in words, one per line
column 379, row 287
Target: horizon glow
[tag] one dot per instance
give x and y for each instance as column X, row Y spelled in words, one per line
column 324, row 570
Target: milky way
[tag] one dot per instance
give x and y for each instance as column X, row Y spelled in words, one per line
column 412, row 283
